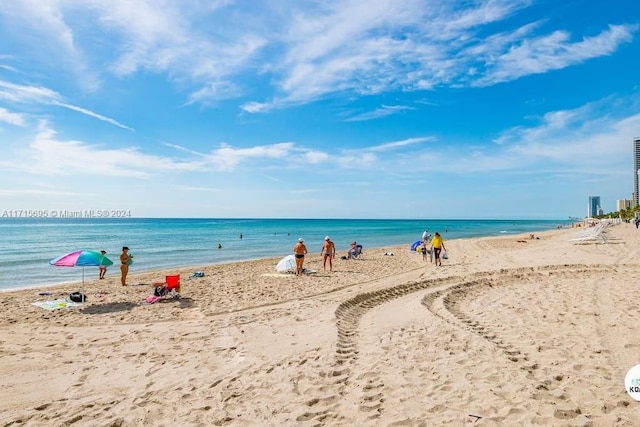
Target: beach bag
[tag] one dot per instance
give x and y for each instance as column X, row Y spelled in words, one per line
column 160, row 291
column 77, row 297
column 197, row 274
column 445, row 255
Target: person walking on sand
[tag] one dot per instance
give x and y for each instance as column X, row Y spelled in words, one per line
column 102, row 269
column 125, row 260
column 299, row 251
column 437, row 245
column 328, row 251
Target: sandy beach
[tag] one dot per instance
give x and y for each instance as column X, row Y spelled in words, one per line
column 509, row 331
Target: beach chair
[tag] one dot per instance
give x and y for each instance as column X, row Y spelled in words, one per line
column 357, row 253
column 596, row 233
column 171, row 287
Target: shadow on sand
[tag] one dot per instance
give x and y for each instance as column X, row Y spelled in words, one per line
column 111, row 307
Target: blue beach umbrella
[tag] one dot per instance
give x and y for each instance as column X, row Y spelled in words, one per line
column 81, row 258
column 415, row 245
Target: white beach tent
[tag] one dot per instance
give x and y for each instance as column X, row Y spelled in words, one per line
column 286, row 265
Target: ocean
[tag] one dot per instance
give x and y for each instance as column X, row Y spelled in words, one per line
column 159, row 243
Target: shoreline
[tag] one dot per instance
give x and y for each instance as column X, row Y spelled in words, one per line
column 265, row 267
column 184, row 267
column 183, row 243
column 543, row 329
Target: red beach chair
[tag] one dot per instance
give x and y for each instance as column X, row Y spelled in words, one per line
column 173, row 285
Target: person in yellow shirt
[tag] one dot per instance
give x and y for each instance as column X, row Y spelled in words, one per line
column 438, row 246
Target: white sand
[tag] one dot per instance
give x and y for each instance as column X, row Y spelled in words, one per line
column 540, row 332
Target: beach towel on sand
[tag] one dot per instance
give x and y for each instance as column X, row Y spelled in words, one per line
column 55, row 304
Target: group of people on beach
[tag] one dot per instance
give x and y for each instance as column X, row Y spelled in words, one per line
column 437, row 249
column 328, row 252
column 126, row 259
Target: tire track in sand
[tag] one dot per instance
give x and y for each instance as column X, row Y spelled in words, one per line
column 364, row 386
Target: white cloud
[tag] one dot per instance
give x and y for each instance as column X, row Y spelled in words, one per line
column 314, row 156
column 12, row 118
column 374, row 48
column 385, row 110
column 47, row 155
column 22, row 94
column 27, row 94
column 94, row 115
column 227, row 158
column 305, row 51
column 403, row 143
column 552, row 52
column 256, row 107
column 580, row 139
column 47, row 20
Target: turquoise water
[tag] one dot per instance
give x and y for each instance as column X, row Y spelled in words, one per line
column 29, row 244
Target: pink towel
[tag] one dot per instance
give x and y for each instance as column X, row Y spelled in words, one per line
column 151, row 299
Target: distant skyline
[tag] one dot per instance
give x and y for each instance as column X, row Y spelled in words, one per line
column 431, row 109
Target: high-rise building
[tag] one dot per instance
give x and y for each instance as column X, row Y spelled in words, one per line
column 636, row 171
column 594, row 206
column 622, row 204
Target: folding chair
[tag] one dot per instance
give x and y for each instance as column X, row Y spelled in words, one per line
column 171, row 287
column 357, row 253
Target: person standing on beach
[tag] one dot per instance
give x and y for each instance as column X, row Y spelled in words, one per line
column 425, row 251
column 425, row 236
column 437, row 245
column 125, row 260
column 299, row 251
column 328, row 251
column 102, row 269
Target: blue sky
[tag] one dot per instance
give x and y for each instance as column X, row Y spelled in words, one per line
column 315, row 109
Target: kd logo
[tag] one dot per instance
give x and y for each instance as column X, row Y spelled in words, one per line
column 632, row 382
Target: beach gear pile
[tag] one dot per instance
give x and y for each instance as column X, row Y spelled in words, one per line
column 77, row 297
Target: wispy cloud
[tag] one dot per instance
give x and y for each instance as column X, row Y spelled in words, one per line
column 48, row 155
column 385, row 110
column 8, row 68
column 551, row 52
column 381, row 47
column 12, row 118
column 403, row 143
column 582, row 139
column 94, row 115
column 48, row 20
column 27, row 94
column 308, row 51
column 257, row 107
column 23, row 94
column 226, row 158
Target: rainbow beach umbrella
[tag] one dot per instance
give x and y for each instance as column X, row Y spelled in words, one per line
column 81, row 258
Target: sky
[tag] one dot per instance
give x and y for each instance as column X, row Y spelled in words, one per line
column 434, row 109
